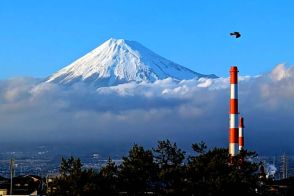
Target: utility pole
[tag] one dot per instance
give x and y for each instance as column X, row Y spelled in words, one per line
column 11, row 174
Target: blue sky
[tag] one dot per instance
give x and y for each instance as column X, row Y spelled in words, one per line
column 39, row 37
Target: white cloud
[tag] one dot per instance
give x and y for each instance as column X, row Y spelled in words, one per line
column 185, row 111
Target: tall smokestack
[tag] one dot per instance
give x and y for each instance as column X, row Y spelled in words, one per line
column 241, row 133
column 233, row 146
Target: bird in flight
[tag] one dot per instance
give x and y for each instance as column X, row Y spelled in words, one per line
column 236, row 34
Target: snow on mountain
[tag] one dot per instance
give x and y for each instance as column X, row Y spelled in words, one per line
column 119, row 61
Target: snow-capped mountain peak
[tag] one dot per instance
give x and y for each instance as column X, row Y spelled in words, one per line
column 118, row 61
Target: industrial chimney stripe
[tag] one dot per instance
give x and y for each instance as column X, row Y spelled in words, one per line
column 241, row 133
column 233, row 138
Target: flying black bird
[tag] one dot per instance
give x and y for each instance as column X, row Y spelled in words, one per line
column 236, row 34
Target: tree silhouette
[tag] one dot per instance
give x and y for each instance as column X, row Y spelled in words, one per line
column 73, row 180
column 216, row 173
column 165, row 171
column 137, row 170
column 169, row 159
column 108, row 182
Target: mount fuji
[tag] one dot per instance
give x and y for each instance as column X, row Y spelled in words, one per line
column 119, row 61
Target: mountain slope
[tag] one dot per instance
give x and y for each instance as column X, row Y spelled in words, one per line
column 118, row 61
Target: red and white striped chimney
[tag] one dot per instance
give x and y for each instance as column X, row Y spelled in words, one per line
column 233, row 139
column 241, row 133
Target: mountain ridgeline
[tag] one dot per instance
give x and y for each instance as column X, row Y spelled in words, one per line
column 119, row 61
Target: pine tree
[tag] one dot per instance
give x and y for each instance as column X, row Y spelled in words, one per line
column 108, row 182
column 137, row 171
column 171, row 168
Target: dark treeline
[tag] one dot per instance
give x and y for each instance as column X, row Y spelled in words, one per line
column 166, row 170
